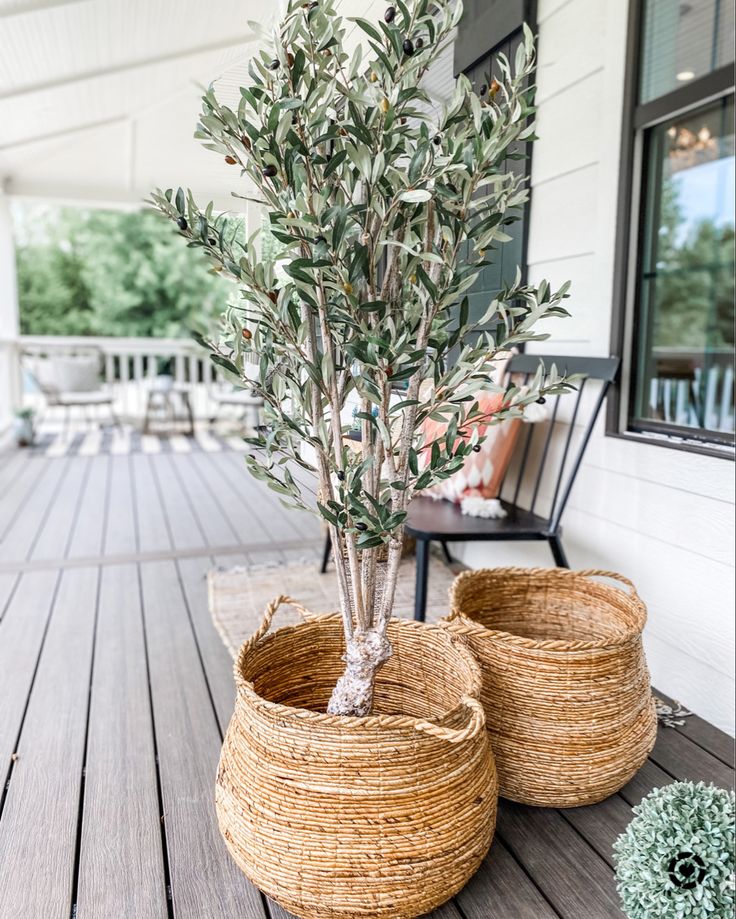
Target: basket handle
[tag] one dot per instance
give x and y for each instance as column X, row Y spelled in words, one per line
column 457, row 735
column 613, row 575
column 271, row 610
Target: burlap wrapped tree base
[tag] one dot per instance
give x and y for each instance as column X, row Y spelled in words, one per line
column 565, row 684
column 385, row 816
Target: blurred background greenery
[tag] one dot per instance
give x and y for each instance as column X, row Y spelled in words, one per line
column 111, row 272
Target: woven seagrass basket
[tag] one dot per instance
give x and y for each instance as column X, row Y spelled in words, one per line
column 356, row 818
column 565, row 684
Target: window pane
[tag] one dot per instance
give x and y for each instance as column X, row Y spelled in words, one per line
column 683, row 41
column 685, row 372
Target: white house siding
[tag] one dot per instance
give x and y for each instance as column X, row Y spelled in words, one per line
column 661, row 516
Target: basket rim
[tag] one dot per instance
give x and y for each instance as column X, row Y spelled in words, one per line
column 469, row 625
column 369, row 723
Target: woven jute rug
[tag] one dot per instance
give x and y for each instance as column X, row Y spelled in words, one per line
column 238, row 596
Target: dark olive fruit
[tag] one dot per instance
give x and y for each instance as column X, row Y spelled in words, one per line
column 212, row 241
column 341, row 475
column 231, row 160
column 361, row 526
column 541, row 400
column 270, row 171
column 245, row 141
column 290, row 59
column 319, row 240
column 476, row 448
column 483, row 89
column 420, row 43
column 408, row 47
column 390, row 14
column 274, row 65
column 247, row 334
column 181, row 222
column 437, row 140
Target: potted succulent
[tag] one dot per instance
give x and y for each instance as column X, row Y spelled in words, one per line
column 386, row 211
column 23, row 427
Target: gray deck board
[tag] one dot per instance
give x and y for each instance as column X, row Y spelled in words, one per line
column 677, row 754
column 88, row 531
column 213, row 522
column 501, row 889
column 120, row 530
column 247, row 525
column 153, row 530
column 8, row 584
column 573, row 877
column 18, row 490
column 144, row 673
column 121, row 823
column 55, row 533
column 184, row 527
column 20, row 537
column 41, row 812
column 204, row 881
column 217, row 663
column 22, row 632
column 707, row 736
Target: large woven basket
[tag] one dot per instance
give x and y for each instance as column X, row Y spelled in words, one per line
column 565, row 684
column 385, row 816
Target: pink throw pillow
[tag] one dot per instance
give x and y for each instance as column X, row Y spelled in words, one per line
column 482, row 474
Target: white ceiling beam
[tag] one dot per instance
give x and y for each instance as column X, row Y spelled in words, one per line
column 63, row 132
column 128, row 66
column 35, row 6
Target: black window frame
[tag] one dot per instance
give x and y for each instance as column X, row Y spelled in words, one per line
column 637, row 120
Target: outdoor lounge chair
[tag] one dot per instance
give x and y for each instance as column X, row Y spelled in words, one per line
column 72, row 381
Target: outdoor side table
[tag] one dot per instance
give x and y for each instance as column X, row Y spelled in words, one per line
column 168, row 407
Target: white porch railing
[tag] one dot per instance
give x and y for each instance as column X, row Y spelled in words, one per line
column 128, row 367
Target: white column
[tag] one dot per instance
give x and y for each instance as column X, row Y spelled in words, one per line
column 10, row 382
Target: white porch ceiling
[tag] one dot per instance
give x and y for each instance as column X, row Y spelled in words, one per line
column 99, row 98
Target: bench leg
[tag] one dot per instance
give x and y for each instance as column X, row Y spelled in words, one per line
column 558, row 553
column 326, row 552
column 420, row 596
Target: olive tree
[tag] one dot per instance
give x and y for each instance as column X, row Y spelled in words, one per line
column 386, row 210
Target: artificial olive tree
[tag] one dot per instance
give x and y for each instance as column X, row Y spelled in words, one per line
column 387, row 210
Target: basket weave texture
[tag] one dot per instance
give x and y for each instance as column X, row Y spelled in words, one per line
column 565, row 684
column 339, row 817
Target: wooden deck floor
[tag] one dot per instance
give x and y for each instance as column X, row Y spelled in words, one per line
column 115, row 691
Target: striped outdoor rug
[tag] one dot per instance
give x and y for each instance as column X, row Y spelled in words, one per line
column 96, row 441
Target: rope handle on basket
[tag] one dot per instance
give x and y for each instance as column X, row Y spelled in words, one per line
column 271, row 611
column 457, row 735
column 613, row 575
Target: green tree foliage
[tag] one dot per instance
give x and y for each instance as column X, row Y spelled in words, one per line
column 122, row 273
column 695, row 281
column 387, row 212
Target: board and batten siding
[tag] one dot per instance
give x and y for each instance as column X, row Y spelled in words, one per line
column 662, row 517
